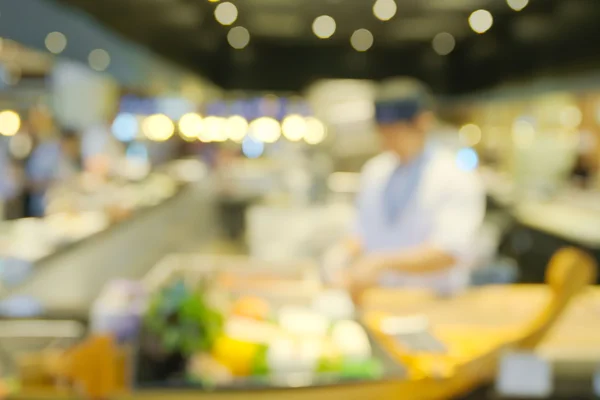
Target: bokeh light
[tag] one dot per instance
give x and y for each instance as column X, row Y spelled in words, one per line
column 125, row 127
column 324, row 26
column 467, row 159
column 481, row 21
column 236, row 128
column 226, row 13
column 56, row 42
column 265, row 129
column 238, row 37
column 20, row 146
column 252, row 148
column 517, row 5
column 361, row 40
column 10, row 123
column 523, row 134
column 99, row 60
column 294, row 127
column 190, row 126
column 385, row 9
column 158, row 127
column 470, row 134
column 213, row 130
column 570, row 117
column 315, row 131
column 443, row 43
column 12, row 74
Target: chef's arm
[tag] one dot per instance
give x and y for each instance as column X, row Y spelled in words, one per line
column 457, row 221
column 418, row 260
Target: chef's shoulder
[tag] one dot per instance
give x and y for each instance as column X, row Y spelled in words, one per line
column 377, row 165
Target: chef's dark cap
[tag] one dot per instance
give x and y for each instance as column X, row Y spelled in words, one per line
column 401, row 99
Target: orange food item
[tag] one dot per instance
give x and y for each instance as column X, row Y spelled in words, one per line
column 252, row 307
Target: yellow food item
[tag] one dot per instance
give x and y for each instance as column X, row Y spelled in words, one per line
column 236, row 355
column 251, row 307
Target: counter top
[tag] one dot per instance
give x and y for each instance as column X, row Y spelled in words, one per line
column 574, row 339
column 563, row 219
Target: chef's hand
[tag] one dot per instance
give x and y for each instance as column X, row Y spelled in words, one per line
column 364, row 274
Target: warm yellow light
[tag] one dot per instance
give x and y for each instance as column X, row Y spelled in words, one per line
column 190, row 126
column 517, row 5
column 238, row 37
column 99, row 59
column 570, row 117
column 226, row 13
column 56, row 42
column 385, row 9
column 158, row 127
column 236, row 128
column 361, row 40
column 315, row 131
column 265, row 129
column 214, row 130
column 324, row 27
column 470, row 134
column 481, row 21
column 523, row 134
column 294, row 127
column 443, row 43
column 10, row 123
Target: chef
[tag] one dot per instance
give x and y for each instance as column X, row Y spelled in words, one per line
column 419, row 207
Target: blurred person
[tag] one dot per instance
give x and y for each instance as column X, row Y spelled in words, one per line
column 582, row 172
column 8, row 182
column 418, row 211
column 54, row 159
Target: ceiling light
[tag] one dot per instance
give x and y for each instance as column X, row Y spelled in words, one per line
column 517, row 5
column 236, row 128
column 158, row 127
column 470, row 134
column 99, row 59
column 190, row 126
column 385, row 9
column 361, row 40
column 213, row 130
column 10, row 123
column 265, row 129
column 481, row 21
column 294, row 127
column 56, row 42
column 324, row 26
column 443, row 43
column 226, row 13
column 252, row 148
column 238, row 37
column 20, row 146
column 315, row 131
column 125, row 127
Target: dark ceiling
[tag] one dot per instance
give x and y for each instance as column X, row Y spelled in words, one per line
column 284, row 54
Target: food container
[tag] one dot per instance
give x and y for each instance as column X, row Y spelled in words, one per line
column 293, row 292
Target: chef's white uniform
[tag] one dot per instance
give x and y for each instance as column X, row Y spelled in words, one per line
column 429, row 201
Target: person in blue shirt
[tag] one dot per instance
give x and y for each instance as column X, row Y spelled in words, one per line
column 418, row 209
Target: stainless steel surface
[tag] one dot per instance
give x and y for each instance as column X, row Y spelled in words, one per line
column 69, row 282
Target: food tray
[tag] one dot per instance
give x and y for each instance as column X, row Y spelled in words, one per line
column 239, row 275
column 277, row 283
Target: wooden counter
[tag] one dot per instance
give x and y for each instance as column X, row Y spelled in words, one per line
column 575, row 339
